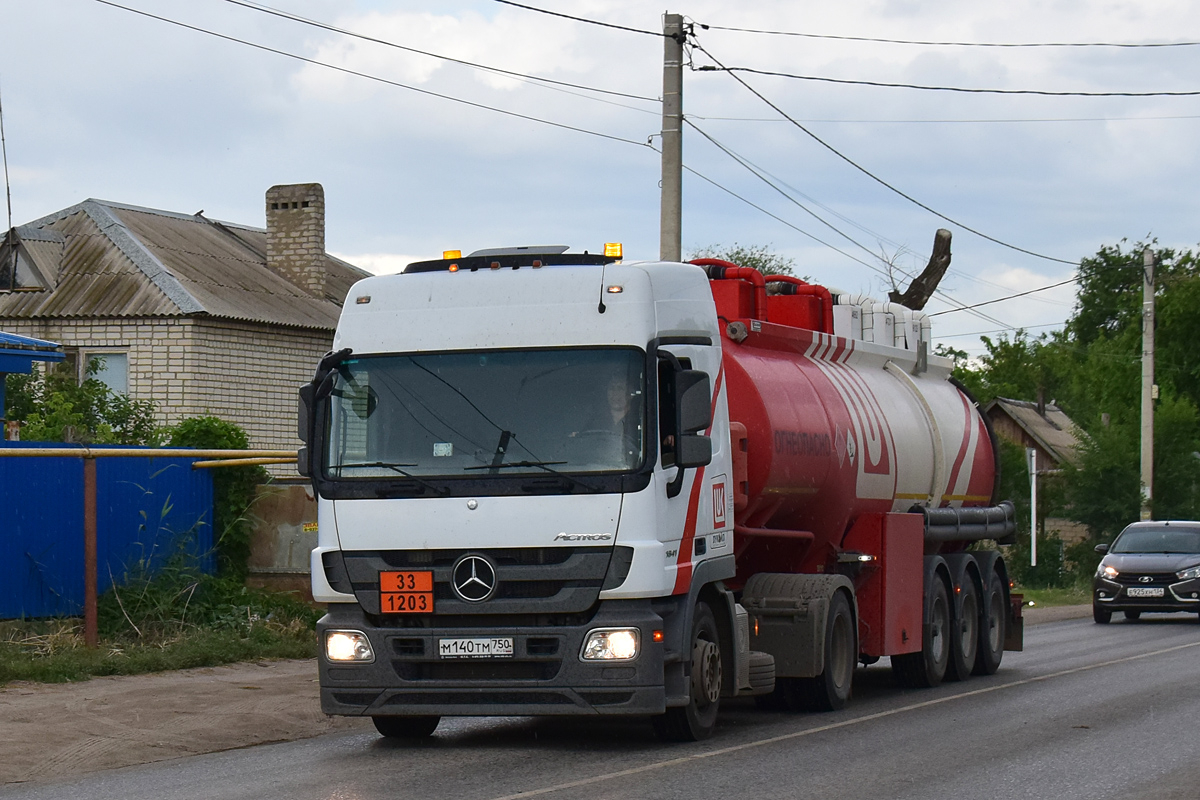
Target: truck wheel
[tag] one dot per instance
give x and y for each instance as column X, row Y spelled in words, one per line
column 927, row 668
column 830, row 690
column 406, row 727
column 698, row 718
column 994, row 628
column 964, row 634
column 1102, row 616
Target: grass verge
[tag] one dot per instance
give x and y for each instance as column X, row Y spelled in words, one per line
column 1072, row 596
column 177, row 619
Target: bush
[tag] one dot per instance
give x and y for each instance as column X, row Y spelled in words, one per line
column 54, row 407
column 233, row 489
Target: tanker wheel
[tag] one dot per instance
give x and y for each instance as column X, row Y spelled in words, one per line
column 830, row 690
column 927, row 668
column 995, row 626
column 406, row 727
column 964, row 633
column 698, row 718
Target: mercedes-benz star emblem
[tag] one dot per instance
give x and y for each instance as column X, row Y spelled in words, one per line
column 473, row 578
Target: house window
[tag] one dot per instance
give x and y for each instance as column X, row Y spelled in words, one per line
column 112, row 369
column 17, row 274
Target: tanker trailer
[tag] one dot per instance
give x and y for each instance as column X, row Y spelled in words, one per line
column 862, row 472
column 558, row 484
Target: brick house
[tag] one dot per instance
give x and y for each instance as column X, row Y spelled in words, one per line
column 1050, row 432
column 200, row 316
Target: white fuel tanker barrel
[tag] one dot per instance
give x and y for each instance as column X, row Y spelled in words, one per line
column 828, row 428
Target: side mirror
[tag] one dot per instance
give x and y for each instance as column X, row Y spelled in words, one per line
column 693, row 451
column 304, row 411
column 302, row 462
column 693, row 401
column 1101, row 548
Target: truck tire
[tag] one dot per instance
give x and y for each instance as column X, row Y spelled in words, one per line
column 830, row 690
column 994, row 627
column 926, row 669
column 696, row 720
column 964, row 633
column 406, row 727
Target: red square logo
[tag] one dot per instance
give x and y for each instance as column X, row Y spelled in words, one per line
column 718, row 490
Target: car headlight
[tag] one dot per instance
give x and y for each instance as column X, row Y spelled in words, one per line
column 611, row 644
column 1106, row 571
column 346, row 646
column 1189, row 573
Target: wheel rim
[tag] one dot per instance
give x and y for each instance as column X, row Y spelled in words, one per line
column 939, row 645
column 841, row 660
column 993, row 621
column 706, row 672
column 969, row 627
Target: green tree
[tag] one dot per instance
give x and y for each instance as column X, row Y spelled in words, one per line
column 55, row 407
column 233, row 489
column 758, row 256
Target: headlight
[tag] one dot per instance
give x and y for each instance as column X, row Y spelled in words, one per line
column 611, row 644
column 348, row 646
column 1189, row 573
column 1107, row 572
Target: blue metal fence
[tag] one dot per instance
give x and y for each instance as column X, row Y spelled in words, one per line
column 146, row 510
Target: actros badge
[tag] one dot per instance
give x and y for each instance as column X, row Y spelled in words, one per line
column 473, row 578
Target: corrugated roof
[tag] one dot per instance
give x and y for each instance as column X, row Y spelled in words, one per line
column 1053, row 430
column 125, row 261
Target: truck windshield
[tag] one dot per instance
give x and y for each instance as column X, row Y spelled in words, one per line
column 475, row 414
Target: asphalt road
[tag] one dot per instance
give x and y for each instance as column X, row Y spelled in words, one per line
column 1087, row 711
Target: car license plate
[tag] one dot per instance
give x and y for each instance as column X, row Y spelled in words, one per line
column 1144, row 591
column 406, row 592
column 496, row 647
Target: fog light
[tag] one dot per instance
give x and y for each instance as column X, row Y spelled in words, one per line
column 610, row 644
column 348, row 646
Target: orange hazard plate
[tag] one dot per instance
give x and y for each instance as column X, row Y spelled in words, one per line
column 406, row 592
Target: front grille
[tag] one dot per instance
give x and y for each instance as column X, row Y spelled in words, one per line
column 1156, row 579
column 530, row 580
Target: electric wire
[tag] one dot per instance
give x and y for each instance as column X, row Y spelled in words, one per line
column 368, row 76
column 264, row 9
column 874, row 177
column 874, row 268
column 922, row 87
column 1129, row 45
column 1009, row 297
column 951, row 121
column 580, row 19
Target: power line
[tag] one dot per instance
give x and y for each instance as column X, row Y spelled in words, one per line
column 952, row 121
column 264, row 9
column 942, row 295
column 368, row 76
column 998, row 330
column 885, row 85
column 949, row 44
column 580, row 19
column 1009, row 297
column 876, row 178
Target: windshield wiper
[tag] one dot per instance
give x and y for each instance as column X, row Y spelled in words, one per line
column 543, row 465
column 394, row 467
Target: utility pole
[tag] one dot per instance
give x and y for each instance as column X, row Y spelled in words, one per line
column 670, row 220
column 1148, row 387
column 1031, row 459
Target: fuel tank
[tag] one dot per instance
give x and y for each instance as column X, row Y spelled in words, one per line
column 828, row 427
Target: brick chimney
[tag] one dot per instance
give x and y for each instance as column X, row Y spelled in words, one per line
column 296, row 235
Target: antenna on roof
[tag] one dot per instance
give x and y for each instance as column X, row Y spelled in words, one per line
column 9, row 234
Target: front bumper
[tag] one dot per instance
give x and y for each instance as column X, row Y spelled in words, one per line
column 544, row 676
column 1177, row 595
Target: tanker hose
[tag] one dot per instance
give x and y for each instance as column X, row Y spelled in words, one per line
column 719, row 270
column 789, row 285
column 970, row 524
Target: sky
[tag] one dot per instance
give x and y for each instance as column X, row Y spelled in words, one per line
column 420, row 153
